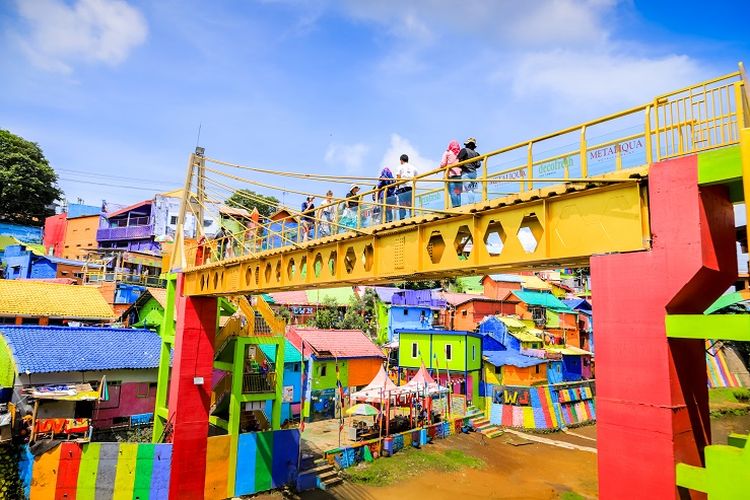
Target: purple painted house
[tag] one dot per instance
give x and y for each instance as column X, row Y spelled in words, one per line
column 131, row 229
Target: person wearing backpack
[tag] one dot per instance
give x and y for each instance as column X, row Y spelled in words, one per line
column 469, row 170
column 450, row 157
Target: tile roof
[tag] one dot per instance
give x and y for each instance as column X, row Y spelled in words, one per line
column 541, row 299
column 338, row 343
column 35, row 299
column 291, row 353
column 296, row 298
column 502, row 358
column 44, row 349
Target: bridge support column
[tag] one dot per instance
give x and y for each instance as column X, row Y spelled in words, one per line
column 652, row 400
column 189, row 396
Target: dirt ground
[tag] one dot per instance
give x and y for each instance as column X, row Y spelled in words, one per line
column 515, row 468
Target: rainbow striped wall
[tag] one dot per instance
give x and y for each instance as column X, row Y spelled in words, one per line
column 125, row 471
column 546, row 408
column 718, row 370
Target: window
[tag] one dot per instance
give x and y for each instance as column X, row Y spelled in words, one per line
column 296, row 367
column 207, row 223
column 414, row 351
column 498, row 370
column 173, row 220
column 473, row 352
column 116, row 421
column 406, row 312
column 142, row 390
column 537, row 368
column 464, row 312
column 448, row 352
column 323, row 370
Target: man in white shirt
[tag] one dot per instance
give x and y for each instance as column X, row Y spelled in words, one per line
column 404, row 191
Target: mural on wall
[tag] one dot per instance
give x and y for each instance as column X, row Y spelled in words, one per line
column 265, row 460
column 544, row 407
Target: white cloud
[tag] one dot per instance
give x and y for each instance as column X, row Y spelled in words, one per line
column 399, row 146
column 349, row 156
column 597, row 80
column 58, row 34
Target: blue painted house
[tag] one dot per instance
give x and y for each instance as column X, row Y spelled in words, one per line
column 412, row 310
column 510, row 333
column 21, row 262
column 290, row 407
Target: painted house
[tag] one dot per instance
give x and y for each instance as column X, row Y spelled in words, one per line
column 290, row 407
column 22, row 263
column 34, row 302
column 413, row 310
column 513, row 368
column 283, row 229
column 585, row 321
column 39, row 358
column 357, row 357
column 575, row 363
column 460, row 352
column 465, row 311
column 131, row 228
column 80, row 236
column 512, row 333
column 147, row 311
column 497, row 286
column 559, row 322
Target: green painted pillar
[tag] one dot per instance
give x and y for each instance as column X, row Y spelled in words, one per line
column 235, row 408
column 166, row 332
column 279, row 367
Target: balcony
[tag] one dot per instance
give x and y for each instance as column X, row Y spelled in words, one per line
column 254, row 383
column 125, row 233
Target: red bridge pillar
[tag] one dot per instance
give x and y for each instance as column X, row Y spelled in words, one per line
column 189, row 401
column 652, row 400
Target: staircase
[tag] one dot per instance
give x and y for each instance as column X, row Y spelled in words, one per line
column 482, row 425
column 327, row 475
column 220, row 393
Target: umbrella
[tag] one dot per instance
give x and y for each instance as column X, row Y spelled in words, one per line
column 362, row 409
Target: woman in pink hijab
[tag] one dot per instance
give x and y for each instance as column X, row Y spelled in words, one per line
column 450, row 157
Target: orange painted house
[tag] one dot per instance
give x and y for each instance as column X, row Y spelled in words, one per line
column 80, row 236
column 465, row 311
column 497, row 286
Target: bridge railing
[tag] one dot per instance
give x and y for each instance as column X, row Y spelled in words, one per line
column 700, row 117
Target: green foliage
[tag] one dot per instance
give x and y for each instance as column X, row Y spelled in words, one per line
column 136, row 435
column 451, row 284
column 410, row 462
column 570, row 495
column 327, row 315
column 247, row 199
column 285, row 313
column 28, row 185
column 354, row 317
column 741, row 394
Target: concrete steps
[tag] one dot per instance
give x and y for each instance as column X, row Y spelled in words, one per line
column 327, row 475
column 483, row 426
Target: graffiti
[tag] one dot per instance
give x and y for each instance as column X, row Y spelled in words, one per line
column 302, row 310
column 517, row 396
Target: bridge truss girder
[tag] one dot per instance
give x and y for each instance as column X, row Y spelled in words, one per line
column 564, row 229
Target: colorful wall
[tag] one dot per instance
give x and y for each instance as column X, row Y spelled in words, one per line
column 80, row 235
column 466, row 350
column 543, row 407
column 408, row 318
column 264, row 460
column 125, row 400
column 719, row 374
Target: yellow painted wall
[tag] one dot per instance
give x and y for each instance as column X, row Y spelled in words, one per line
column 490, row 376
column 80, row 234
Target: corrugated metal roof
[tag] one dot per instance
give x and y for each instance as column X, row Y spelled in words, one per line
column 291, row 353
column 45, row 349
column 534, row 283
column 293, row 297
column 541, row 299
column 524, row 336
column 456, row 299
column 569, row 351
column 35, row 299
column 502, row 358
column 507, row 278
column 385, row 293
column 339, row 343
column 511, row 322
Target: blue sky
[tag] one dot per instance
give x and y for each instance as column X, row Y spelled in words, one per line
column 114, row 91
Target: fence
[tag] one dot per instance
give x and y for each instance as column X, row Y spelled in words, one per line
column 265, row 460
column 349, row 456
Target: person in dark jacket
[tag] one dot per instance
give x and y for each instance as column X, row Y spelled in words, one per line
column 469, row 170
column 308, row 218
column 385, row 189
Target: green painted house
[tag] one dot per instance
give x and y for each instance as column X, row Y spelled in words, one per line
column 459, row 352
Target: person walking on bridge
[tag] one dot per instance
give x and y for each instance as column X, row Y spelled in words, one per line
column 450, row 157
column 469, row 170
column 385, row 192
column 404, row 191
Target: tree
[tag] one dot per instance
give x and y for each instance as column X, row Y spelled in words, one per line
column 247, row 199
column 28, row 185
column 327, row 315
